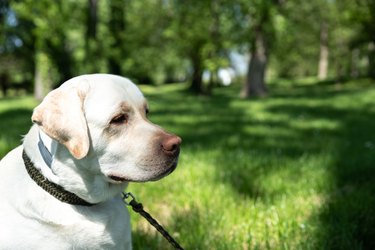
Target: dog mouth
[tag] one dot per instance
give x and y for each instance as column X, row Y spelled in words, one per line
column 119, row 179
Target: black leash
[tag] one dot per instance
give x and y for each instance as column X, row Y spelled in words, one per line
column 138, row 208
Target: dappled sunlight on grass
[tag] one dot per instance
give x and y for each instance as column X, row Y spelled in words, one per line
column 263, row 171
column 290, row 171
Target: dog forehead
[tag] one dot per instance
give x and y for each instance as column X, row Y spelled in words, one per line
column 109, row 87
column 111, row 83
column 104, row 84
column 107, row 93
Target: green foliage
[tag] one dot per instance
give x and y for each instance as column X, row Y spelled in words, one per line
column 202, row 30
column 160, row 41
column 153, row 57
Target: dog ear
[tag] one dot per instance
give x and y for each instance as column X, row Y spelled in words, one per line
column 61, row 116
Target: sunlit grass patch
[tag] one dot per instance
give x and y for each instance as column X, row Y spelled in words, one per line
column 259, row 174
column 290, row 171
column 15, row 121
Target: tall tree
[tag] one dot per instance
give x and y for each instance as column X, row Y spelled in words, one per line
column 91, row 39
column 306, row 32
column 261, row 32
column 255, row 79
column 117, row 27
column 4, row 8
column 362, row 15
column 51, row 24
column 324, row 50
column 202, row 43
column 194, row 15
column 149, row 53
column 42, row 62
column 325, row 17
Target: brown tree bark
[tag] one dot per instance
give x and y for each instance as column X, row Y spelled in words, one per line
column 91, row 43
column 371, row 59
column 92, row 19
column 196, row 82
column 324, row 51
column 42, row 77
column 355, row 57
column 117, row 27
column 254, row 84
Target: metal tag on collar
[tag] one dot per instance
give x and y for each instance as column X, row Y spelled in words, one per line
column 126, row 196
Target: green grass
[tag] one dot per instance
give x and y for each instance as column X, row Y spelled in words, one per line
column 294, row 170
column 15, row 121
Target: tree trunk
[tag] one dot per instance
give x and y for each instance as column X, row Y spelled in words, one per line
column 355, row 56
column 216, row 39
column 117, row 29
column 91, row 35
column 212, row 82
column 197, row 82
column 323, row 55
column 371, row 59
column 254, row 84
column 92, row 19
column 4, row 83
column 62, row 58
column 42, row 82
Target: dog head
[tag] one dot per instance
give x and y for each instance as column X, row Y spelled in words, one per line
column 102, row 118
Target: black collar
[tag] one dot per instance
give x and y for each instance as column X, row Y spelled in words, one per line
column 53, row 189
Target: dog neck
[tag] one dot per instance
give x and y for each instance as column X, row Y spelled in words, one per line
column 81, row 177
column 55, row 190
column 47, row 148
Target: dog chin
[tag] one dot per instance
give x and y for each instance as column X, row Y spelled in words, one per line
column 167, row 172
column 154, row 176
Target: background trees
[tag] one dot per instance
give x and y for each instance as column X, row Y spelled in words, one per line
column 46, row 42
column 260, row 35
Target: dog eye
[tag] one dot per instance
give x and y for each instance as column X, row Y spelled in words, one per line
column 119, row 119
column 147, row 111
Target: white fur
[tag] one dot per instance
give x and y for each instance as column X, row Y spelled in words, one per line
column 30, row 218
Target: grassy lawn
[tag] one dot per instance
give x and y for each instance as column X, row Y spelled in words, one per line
column 294, row 170
column 15, row 121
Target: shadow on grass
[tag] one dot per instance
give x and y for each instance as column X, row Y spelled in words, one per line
column 348, row 217
column 209, row 124
column 320, row 90
column 350, row 214
column 13, row 124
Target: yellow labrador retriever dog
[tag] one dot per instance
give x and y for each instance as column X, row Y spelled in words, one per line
column 61, row 188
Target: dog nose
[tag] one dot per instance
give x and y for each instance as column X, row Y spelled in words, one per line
column 171, row 144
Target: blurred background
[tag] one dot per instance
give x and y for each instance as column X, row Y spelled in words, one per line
column 274, row 100
column 206, row 43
